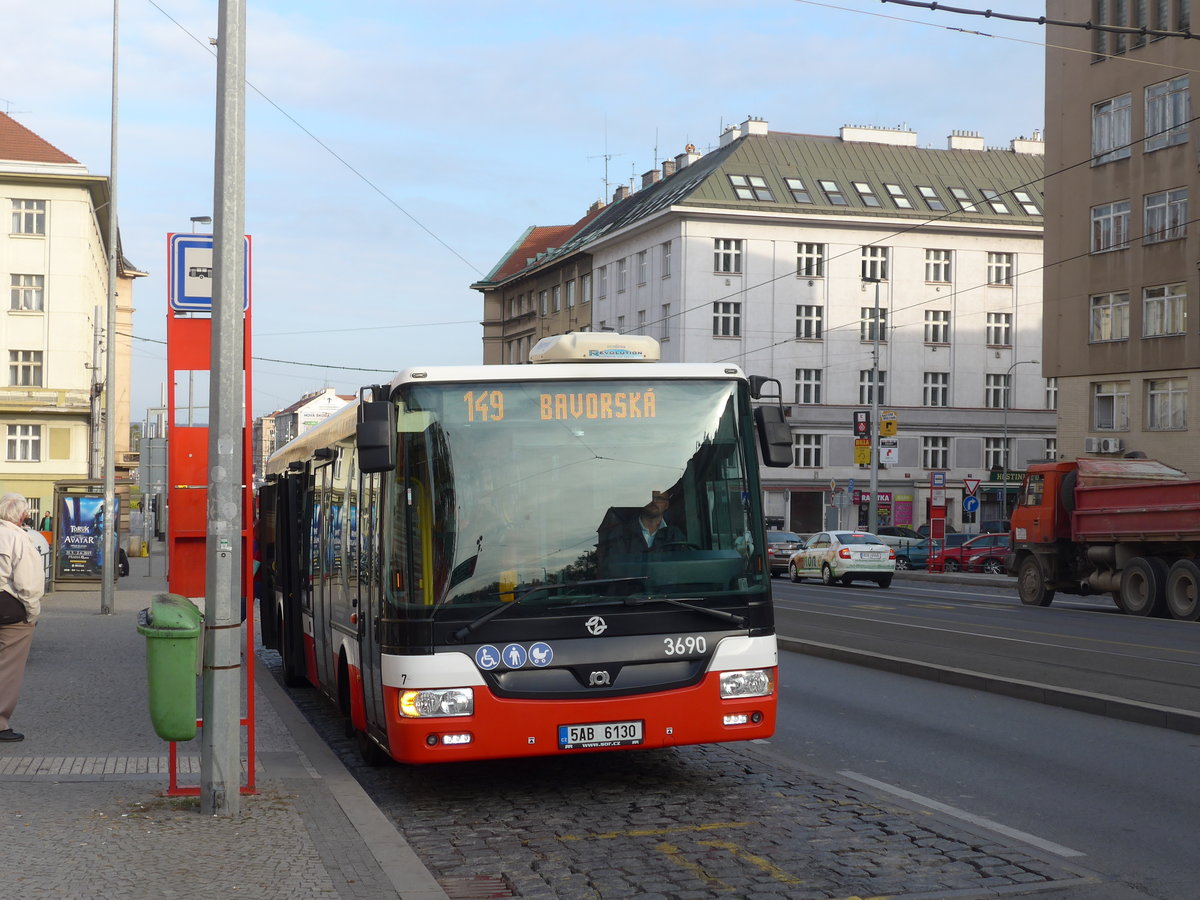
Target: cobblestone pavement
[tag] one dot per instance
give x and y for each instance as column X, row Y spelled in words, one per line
column 683, row 824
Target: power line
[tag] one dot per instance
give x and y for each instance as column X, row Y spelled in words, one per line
column 1141, row 30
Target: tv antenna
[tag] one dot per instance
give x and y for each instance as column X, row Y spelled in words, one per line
column 606, row 156
column 8, row 110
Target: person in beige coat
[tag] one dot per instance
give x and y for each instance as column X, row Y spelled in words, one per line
column 22, row 584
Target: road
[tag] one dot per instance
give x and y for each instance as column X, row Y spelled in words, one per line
column 1095, row 655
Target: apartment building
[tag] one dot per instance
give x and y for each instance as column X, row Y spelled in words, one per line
column 54, row 250
column 1122, row 321
column 798, row 257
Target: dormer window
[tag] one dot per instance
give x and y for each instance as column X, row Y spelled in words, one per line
column 899, row 197
column 998, row 205
column 797, row 189
column 833, row 193
column 751, row 187
column 866, row 193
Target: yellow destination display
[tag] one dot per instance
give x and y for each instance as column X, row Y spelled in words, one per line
column 488, row 405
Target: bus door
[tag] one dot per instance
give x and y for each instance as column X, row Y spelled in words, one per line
column 322, row 576
column 370, row 597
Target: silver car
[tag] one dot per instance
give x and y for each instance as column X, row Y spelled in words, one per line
column 840, row 557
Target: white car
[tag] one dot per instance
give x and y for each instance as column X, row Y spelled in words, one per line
column 840, row 557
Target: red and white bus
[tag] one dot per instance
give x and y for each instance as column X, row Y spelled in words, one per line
column 501, row 561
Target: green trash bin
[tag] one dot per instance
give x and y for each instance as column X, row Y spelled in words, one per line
column 172, row 627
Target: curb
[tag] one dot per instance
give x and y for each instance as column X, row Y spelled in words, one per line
column 1067, row 698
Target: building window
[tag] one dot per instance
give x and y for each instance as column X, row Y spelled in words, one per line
column 935, row 452
column 1110, row 226
column 25, row 368
column 1109, row 317
column 641, row 267
column 1000, row 268
column 995, row 391
column 1050, row 448
column 751, row 187
column 999, row 329
column 1166, row 404
column 797, row 189
column 810, row 322
column 866, row 193
column 808, row 385
column 995, row 201
column 1027, row 203
column 727, row 256
column 29, row 217
column 1110, row 406
column 1163, row 309
column 664, row 325
column 1110, row 129
column 1167, row 113
column 875, row 262
column 602, row 282
column 810, row 260
column 963, row 197
column 937, row 266
column 833, row 193
column 1166, row 216
column 28, row 293
column 937, row 326
column 865, row 383
column 936, row 390
column 620, row 324
column 585, row 288
column 555, row 298
column 806, row 449
column 867, row 330
column 727, row 319
column 570, row 294
column 995, row 453
column 622, row 275
column 641, row 321
column 666, row 259
column 931, row 198
column 543, row 303
column 899, row 197
column 1051, row 393
column 24, row 443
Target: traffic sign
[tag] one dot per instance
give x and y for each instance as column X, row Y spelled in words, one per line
column 970, row 485
column 862, row 423
column 937, row 479
column 190, row 271
column 970, row 504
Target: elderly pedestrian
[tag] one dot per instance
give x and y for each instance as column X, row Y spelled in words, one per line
column 22, row 584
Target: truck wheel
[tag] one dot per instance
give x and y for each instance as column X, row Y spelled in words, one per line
column 1183, row 591
column 1031, row 585
column 1143, row 586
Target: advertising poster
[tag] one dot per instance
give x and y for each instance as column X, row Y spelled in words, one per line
column 80, row 549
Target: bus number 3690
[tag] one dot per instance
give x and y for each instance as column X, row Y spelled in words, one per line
column 685, row 646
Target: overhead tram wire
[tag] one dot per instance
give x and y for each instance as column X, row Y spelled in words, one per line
column 365, row 180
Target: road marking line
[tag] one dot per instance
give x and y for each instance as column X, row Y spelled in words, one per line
column 673, row 853
column 1023, row 836
column 757, row 861
column 653, row 832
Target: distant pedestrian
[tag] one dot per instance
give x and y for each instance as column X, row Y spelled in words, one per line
column 22, row 584
column 47, row 523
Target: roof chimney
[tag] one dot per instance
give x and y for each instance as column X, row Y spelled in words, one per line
column 730, row 134
column 1032, row 145
column 754, row 125
column 873, row 134
column 668, row 168
column 620, row 193
column 965, row 140
column 648, row 178
column 687, row 157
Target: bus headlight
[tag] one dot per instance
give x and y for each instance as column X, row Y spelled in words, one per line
column 439, row 703
column 747, row 683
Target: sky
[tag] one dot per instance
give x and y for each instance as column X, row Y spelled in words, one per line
column 396, row 149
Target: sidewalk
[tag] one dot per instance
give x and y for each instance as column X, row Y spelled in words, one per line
column 83, row 813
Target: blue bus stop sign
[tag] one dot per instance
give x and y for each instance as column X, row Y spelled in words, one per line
column 189, row 279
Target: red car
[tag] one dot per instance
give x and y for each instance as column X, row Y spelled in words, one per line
column 990, row 559
column 952, row 559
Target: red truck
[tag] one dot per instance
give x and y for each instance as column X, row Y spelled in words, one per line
column 1129, row 527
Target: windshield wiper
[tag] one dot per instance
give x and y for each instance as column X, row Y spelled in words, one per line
column 521, row 596
column 739, row 621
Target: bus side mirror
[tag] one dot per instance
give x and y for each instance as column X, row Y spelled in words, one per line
column 774, row 436
column 375, row 436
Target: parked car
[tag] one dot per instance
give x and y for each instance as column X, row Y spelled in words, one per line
column 990, row 560
column 952, row 559
column 915, row 556
column 841, row 557
column 923, row 531
column 995, row 526
column 899, row 536
column 780, row 547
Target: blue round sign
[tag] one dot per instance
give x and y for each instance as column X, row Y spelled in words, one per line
column 970, row 504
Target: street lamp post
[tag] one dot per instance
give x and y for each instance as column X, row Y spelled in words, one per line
column 1007, row 404
column 873, row 503
column 200, row 220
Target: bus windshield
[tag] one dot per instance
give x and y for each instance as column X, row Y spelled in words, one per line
column 553, row 492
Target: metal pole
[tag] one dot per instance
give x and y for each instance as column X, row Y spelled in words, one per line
column 220, row 760
column 112, row 524
column 1007, row 404
column 873, row 504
